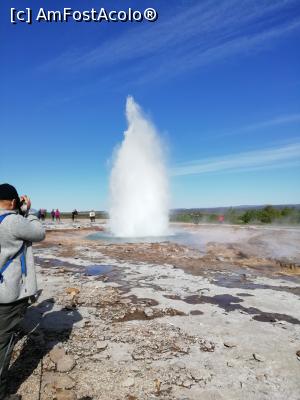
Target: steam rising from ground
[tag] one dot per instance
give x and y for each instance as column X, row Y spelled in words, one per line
column 138, row 183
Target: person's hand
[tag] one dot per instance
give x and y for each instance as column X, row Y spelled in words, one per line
column 26, row 203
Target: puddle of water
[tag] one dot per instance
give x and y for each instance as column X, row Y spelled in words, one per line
column 196, row 312
column 94, row 270
column 54, row 262
column 225, row 301
column 172, row 296
column 91, row 270
column 245, row 294
column 192, row 239
column 231, row 303
column 241, row 281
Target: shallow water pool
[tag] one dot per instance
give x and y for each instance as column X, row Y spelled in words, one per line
column 192, row 239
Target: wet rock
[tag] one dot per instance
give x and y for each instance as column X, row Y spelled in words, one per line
column 65, row 364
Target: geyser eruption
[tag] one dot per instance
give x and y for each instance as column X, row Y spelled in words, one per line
column 138, row 183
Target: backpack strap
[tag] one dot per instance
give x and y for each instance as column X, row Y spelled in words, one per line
column 19, row 252
column 4, row 216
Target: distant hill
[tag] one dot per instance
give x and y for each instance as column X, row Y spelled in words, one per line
column 221, row 210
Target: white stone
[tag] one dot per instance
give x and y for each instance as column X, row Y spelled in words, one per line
column 129, row 382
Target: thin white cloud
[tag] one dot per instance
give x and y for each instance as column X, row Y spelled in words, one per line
column 182, row 61
column 281, row 120
column 269, row 123
column 277, row 157
column 193, row 36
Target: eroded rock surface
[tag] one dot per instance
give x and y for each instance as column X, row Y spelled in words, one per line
column 158, row 321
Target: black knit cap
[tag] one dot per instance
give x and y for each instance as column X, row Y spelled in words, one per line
column 8, row 192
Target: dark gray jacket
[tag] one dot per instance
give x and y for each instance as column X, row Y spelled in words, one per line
column 14, row 230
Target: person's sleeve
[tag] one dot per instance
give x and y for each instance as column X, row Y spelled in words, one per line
column 29, row 229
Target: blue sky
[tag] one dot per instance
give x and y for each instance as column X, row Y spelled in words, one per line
column 220, row 80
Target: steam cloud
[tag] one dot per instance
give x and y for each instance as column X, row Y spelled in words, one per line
column 138, row 182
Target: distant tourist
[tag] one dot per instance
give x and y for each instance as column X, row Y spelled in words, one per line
column 43, row 214
column 92, row 216
column 221, row 219
column 39, row 214
column 74, row 214
column 53, row 215
column 57, row 215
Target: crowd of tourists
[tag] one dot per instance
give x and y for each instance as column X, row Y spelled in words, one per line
column 56, row 215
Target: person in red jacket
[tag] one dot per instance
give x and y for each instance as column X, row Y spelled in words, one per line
column 57, row 215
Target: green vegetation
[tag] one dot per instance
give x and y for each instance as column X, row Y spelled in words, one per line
column 269, row 215
column 234, row 215
column 263, row 215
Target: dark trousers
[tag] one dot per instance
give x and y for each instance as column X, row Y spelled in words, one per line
column 10, row 317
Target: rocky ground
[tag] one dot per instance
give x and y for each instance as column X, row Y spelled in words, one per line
column 162, row 320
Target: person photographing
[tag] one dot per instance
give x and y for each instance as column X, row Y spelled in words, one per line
column 18, row 285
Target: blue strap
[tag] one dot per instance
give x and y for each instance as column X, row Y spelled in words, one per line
column 20, row 252
column 3, row 216
column 23, row 261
